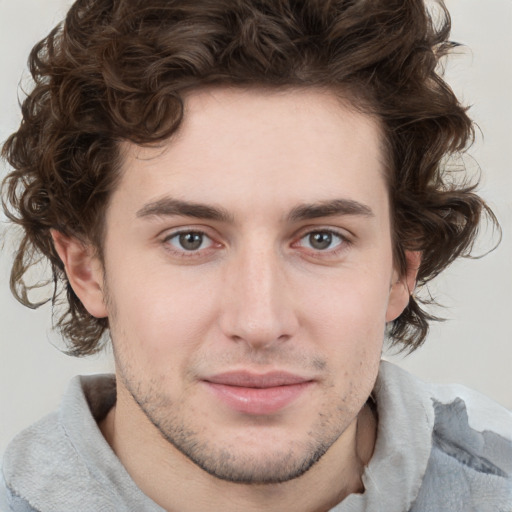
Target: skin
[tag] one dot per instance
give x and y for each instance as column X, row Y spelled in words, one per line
column 274, row 285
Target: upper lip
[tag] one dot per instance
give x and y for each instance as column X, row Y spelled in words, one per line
column 253, row 380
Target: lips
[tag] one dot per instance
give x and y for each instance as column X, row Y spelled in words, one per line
column 257, row 394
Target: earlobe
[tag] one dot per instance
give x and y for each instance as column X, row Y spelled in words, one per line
column 403, row 287
column 84, row 272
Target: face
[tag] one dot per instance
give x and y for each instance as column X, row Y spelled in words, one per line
column 249, row 278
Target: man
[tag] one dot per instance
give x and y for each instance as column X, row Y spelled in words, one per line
column 243, row 195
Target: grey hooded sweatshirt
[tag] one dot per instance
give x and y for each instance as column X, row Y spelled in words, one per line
column 438, row 449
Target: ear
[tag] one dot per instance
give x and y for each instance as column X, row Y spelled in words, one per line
column 84, row 271
column 402, row 287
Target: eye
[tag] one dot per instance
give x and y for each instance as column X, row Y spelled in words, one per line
column 189, row 241
column 322, row 240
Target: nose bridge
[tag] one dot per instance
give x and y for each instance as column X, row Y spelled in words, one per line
column 259, row 310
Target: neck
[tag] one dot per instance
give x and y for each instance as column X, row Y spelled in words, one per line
column 175, row 483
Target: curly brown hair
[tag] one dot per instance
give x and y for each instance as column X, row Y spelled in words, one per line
column 117, row 70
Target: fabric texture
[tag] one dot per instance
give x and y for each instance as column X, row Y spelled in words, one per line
column 438, row 449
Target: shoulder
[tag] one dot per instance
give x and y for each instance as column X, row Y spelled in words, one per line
column 43, row 466
column 64, row 463
column 471, row 456
column 454, row 406
column 34, row 462
column 470, row 462
column 470, row 465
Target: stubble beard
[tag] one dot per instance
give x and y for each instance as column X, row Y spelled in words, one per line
column 230, row 462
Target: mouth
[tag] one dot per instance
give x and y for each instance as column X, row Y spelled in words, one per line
column 257, row 394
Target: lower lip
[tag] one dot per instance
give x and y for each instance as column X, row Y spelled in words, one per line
column 258, row 400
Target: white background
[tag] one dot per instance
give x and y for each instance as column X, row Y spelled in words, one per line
column 474, row 347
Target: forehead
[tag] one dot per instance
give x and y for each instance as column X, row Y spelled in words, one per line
column 286, row 146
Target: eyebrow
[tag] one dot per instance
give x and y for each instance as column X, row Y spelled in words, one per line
column 168, row 206
column 330, row 208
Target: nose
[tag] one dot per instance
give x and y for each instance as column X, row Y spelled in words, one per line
column 258, row 304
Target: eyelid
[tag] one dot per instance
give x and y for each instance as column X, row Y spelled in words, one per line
column 346, row 240
column 169, row 234
column 324, row 231
column 176, row 235
column 343, row 233
column 180, row 231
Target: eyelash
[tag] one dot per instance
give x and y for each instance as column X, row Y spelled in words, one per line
column 183, row 253
column 344, row 243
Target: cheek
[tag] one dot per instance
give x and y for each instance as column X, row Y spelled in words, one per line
column 351, row 327
column 352, row 308
column 347, row 323
column 158, row 317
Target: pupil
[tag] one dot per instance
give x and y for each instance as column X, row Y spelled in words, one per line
column 191, row 241
column 320, row 240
